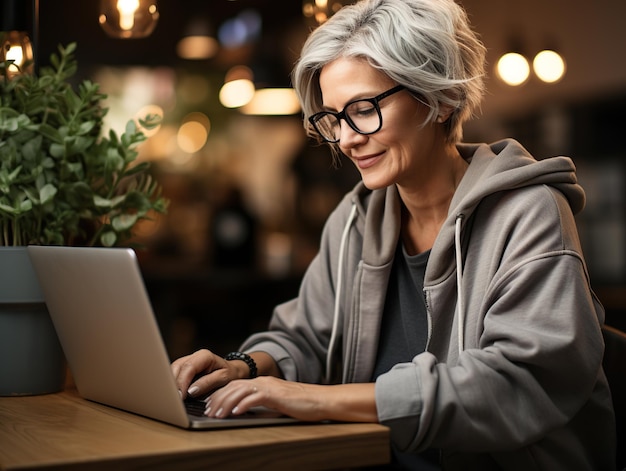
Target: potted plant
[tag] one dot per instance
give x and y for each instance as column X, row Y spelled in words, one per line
column 61, row 183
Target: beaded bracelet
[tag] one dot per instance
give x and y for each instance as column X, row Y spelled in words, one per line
column 245, row 358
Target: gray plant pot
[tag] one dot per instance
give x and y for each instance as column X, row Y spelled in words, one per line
column 31, row 357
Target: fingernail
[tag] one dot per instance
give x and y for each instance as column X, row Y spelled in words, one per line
column 192, row 390
column 180, row 393
column 235, row 410
column 219, row 412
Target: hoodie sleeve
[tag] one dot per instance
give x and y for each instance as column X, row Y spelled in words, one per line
column 532, row 360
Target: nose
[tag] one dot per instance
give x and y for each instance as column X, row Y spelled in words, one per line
column 348, row 137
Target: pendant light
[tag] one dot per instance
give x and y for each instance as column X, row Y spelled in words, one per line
column 127, row 19
column 16, row 35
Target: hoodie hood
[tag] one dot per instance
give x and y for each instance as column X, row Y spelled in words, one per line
column 506, row 165
column 501, row 166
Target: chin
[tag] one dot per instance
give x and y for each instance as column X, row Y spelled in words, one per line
column 374, row 179
column 374, row 184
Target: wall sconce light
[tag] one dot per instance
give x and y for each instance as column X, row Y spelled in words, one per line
column 16, row 25
column 127, row 19
column 514, row 69
column 549, row 66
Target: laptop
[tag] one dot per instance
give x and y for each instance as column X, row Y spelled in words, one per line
column 106, row 325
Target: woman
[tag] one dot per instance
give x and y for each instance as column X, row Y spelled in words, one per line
column 449, row 300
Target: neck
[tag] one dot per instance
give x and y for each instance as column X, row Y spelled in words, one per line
column 425, row 206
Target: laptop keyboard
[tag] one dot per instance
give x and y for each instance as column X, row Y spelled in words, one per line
column 195, row 407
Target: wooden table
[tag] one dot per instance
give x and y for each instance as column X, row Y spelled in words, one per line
column 64, row 431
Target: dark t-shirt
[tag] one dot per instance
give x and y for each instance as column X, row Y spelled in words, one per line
column 404, row 330
column 404, row 334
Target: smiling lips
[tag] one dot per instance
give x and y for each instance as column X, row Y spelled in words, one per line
column 366, row 161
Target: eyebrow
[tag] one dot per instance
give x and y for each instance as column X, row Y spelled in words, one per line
column 365, row 96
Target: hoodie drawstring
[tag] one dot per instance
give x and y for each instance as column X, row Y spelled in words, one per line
column 459, row 278
column 337, row 305
column 335, row 328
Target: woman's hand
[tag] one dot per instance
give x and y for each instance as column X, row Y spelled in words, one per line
column 202, row 372
column 294, row 399
column 307, row 402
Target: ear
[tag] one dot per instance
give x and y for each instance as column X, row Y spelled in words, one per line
column 444, row 113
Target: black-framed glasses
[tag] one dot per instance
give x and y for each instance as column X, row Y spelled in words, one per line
column 362, row 115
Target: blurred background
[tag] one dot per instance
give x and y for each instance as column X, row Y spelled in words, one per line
column 249, row 193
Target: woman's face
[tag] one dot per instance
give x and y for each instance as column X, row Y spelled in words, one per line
column 402, row 150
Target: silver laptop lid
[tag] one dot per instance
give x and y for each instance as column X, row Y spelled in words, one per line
column 105, row 322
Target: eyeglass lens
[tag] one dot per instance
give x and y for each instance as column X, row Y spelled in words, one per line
column 363, row 116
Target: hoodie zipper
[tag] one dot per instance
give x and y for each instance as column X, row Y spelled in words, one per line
column 338, row 293
column 460, row 301
column 429, row 319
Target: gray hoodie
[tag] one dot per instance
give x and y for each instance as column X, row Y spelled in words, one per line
column 512, row 376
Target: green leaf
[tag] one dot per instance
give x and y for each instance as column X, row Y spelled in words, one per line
column 113, row 160
column 45, row 82
column 54, row 60
column 31, row 195
column 86, row 127
column 13, row 175
column 32, row 148
column 108, row 238
column 8, row 209
column 50, row 133
column 101, row 202
column 138, row 201
column 75, row 168
column 131, row 127
column 139, row 168
column 151, row 121
column 124, row 222
column 82, row 144
column 6, row 113
column 115, row 202
column 19, row 208
column 57, row 150
column 53, row 237
column 47, row 193
column 10, row 125
column 113, row 138
column 25, row 206
column 47, row 163
column 69, row 49
column 78, row 194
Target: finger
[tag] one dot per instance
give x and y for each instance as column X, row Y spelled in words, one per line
column 209, row 382
column 236, row 403
column 186, row 369
column 181, row 378
column 248, row 402
column 236, row 398
column 176, row 364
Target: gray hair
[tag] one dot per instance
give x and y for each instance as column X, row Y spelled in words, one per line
column 426, row 45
